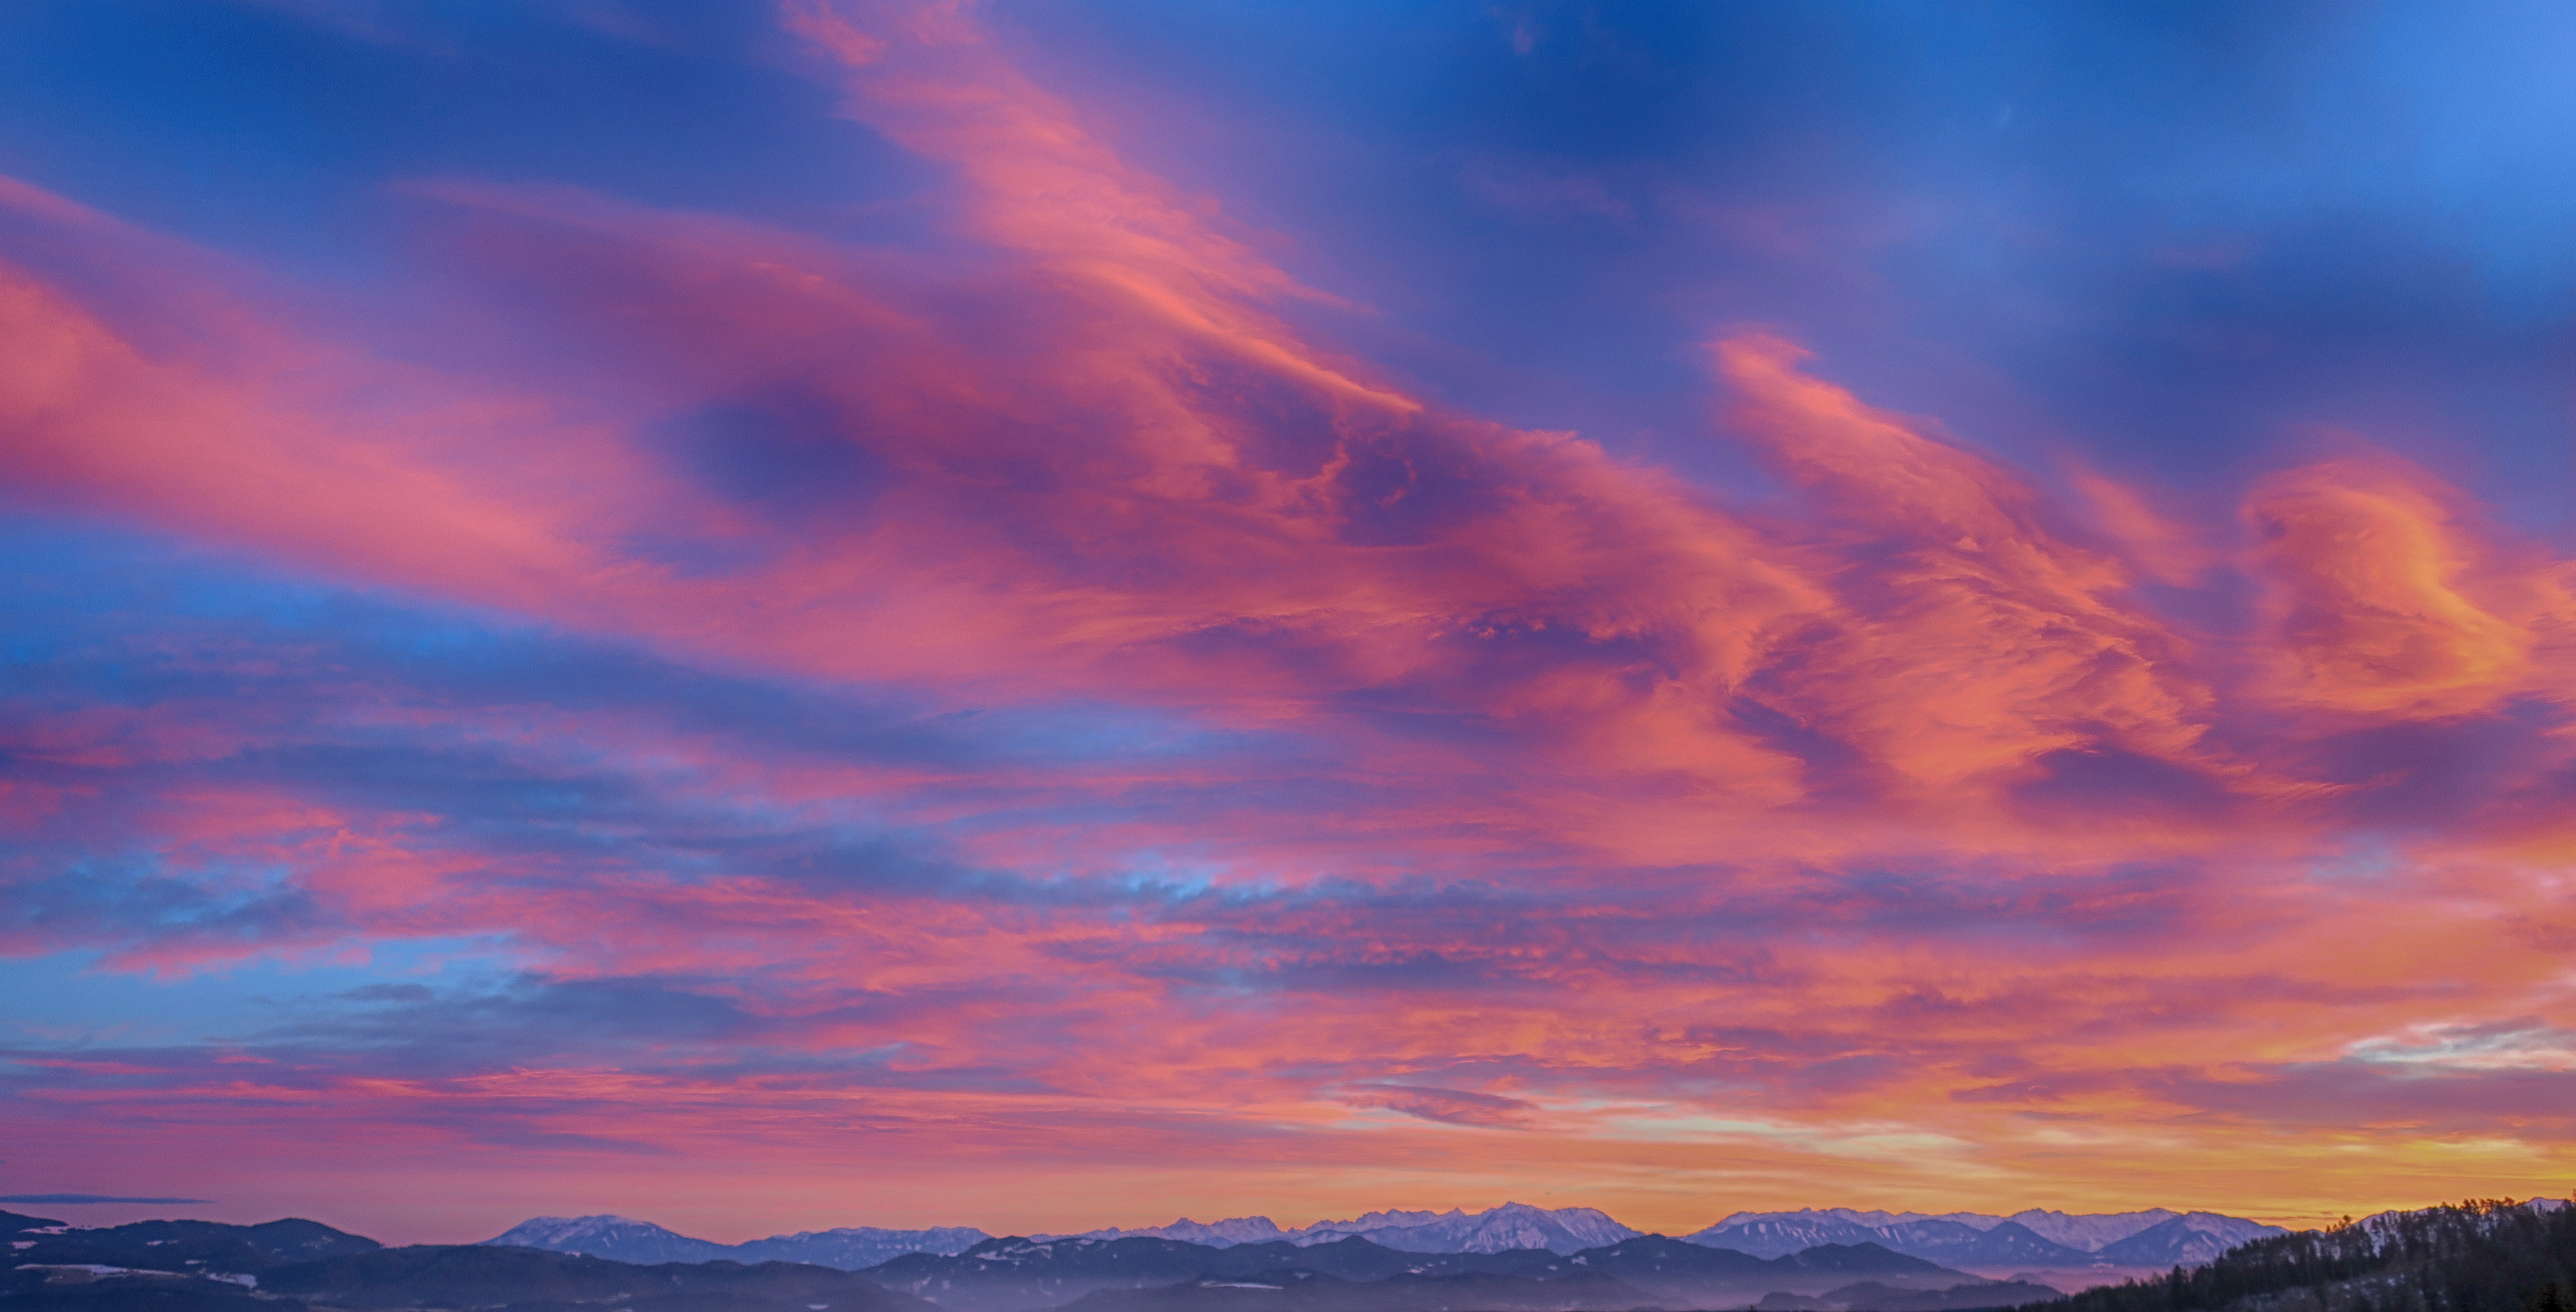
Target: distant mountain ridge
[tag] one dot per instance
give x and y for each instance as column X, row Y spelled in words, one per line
column 301, row 1266
column 1495, row 1230
column 2482, row 1256
column 1214, row 1234
column 2030, row 1239
column 624, row 1239
column 2033, row 1240
column 2036, row 1238
column 2186, row 1240
column 617, row 1238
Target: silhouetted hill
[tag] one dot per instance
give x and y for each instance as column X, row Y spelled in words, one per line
column 154, row 1266
column 2186, row 1240
column 2481, row 1256
column 66, row 1273
column 1658, row 1257
column 624, row 1239
column 149, row 1274
column 1020, row 1275
column 1679, row 1274
column 2005, row 1244
column 532, row 1280
column 15, row 1225
column 163, row 1293
column 1860, row 1260
column 195, row 1248
column 292, row 1239
column 1357, row 1275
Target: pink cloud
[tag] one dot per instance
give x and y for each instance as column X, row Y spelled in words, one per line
column 1889, row 830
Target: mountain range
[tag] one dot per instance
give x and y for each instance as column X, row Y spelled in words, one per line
column 303, row 1266
column 2034, row 1240
column 621, row 1239
column 1496, row 1230
column 2478, row 1257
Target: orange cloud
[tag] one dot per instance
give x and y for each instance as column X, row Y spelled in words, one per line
column 2379, row 603
column 1977, row 641
column 1469, row 773
column 2165, row 551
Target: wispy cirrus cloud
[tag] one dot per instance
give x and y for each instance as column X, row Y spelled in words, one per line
column 1019, row 703
column 1448, row 1106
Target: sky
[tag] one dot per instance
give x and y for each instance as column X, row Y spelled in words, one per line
column 1060, row 613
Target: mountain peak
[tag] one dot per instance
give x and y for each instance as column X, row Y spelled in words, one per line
column 2031, row 1239
column 1216, row 1234
column 617, row 1238
column 1509, row 1227
column 1512, row 1225
column 625, row 1239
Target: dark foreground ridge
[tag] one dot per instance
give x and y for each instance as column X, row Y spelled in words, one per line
column 1027, row 1275
column 304, row 1266
column 529, row 1279
column 2481, row 1256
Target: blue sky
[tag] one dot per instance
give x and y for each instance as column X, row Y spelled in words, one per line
column 618, row 600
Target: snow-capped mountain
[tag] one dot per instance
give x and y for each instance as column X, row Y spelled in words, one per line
column 2006, row 1243
column 2030, row 1239
column 2186, row 1240
column 1562, row 1230
column 623, row 1239
column 1386, row 1220
column 1778, row 1234
column 2091, row 1233
column 1214, row 1234
column 1877, row 1220
column 2392, row 1227
column 1497, row 1230
column 617, row 1238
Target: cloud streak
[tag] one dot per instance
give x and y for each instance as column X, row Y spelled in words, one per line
column 1019, row 703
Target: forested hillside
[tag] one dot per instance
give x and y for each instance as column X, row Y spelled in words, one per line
column 2481, row 1256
